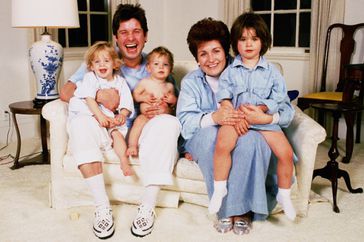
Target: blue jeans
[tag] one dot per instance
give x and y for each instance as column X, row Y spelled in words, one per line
column 246, row 182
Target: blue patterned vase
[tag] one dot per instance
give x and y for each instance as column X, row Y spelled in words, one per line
column 46, row 57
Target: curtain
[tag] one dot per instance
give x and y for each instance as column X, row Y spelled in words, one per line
column 232, row 9
column 324, row 13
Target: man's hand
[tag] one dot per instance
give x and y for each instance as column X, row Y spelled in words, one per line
column 109, row 98
column 154, row 110
column 67, row 91
column 150, row 99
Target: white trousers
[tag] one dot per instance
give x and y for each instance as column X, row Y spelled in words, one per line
column 158, row 149
column 87, row 139
column 157, row 145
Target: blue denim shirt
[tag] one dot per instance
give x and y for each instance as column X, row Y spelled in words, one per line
column 195, row 100
column 261, row 85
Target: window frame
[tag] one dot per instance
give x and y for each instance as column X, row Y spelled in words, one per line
column 285, row 53
column 76, row 53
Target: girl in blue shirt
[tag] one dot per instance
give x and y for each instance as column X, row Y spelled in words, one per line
column 251, row 80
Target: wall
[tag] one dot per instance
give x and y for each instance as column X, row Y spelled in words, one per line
column 354, row 15
column 169, row 22
column 16, row 83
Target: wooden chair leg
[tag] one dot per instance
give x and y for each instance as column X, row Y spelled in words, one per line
column 321, row 118
column 358, row 128
column 349, row 119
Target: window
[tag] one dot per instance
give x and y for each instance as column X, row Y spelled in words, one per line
column 289, row 21
column 95, row 25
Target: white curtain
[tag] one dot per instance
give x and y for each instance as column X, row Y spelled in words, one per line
column 324, row 13
column 232, row 9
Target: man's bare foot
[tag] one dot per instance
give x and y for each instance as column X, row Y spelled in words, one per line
column 126, row 168
column 132, row 151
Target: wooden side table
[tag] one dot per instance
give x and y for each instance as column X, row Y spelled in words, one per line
column 27, row 108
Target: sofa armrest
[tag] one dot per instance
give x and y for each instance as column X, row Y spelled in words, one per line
column 56, row 113
column 304, row 134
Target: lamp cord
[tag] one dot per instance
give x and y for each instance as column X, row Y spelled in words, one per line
column 4, row 159
column 8, row 132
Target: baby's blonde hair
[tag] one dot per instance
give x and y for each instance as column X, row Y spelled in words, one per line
column 96, row 48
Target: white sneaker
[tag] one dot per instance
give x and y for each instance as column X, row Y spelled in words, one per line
column 143, row 222
column 103, row 223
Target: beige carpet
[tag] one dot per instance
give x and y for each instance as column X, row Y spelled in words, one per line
column 26, row 216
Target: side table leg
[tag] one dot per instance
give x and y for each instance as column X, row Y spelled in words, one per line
column 16, row 165
column 345, row 175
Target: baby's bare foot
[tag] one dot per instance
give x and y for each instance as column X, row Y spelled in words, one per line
column 188, row 156
column 126, row 168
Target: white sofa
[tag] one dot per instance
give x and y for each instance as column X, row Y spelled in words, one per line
column 68, row 189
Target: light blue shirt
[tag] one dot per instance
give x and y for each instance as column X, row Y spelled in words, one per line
column 195, row 100
column 261, row 85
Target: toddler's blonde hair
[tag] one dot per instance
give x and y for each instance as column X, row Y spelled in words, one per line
column 96, row 48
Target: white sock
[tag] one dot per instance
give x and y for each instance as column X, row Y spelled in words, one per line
column 150, row 195
column 220, row 192
column 284, row 199
column 98, row 191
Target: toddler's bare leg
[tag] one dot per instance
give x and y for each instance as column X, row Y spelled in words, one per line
column 134, row 134
column 119, row 146
column 225, row 143
column 280, row 146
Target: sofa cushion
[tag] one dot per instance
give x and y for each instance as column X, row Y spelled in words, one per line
column 184, row 168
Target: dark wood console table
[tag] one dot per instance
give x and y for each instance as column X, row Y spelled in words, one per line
column 27, row 108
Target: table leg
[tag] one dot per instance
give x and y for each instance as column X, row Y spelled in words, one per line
column 332, row 171
column 16, row 164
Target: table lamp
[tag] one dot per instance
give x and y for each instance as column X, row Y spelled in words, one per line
column 45, row 56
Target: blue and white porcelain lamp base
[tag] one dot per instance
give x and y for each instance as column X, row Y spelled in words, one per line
column 46, row 57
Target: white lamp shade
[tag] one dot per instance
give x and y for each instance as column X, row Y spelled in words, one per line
column 48, row 13
column 45, row 56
